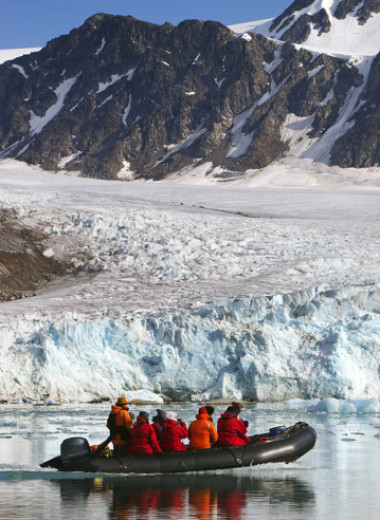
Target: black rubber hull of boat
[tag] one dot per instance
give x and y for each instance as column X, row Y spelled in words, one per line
column 283, row 448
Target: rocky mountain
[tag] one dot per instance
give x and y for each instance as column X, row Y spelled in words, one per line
column 121, row 98
column 305, row 17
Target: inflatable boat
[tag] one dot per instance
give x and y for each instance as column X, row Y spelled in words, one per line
column 280, row 444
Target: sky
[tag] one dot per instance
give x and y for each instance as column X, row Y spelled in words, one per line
column 32, row 23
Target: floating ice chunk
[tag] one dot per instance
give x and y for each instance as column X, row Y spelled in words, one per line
column 144, row 395
column 371, row 408
column 347, row 407
column 332, row 405
column 50, row 402
column 329, row 405
column 6, row 423
column 300, row 404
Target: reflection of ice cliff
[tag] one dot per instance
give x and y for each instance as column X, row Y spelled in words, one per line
column 310, row 344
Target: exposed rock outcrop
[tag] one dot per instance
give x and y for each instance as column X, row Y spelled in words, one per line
column 25, row 264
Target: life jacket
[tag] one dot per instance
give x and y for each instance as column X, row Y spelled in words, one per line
column 171, row 435
column 231, row 431
column 119, row 424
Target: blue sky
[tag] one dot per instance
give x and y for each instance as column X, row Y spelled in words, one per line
column 31, row 23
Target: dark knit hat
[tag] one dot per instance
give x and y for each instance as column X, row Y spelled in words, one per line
column 161, row 414
column 144, row 415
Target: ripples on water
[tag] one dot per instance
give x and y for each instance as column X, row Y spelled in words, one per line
column 337, row 480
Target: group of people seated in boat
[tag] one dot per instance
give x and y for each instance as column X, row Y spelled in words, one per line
column 130, row 435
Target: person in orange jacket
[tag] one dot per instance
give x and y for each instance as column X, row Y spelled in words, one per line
column 119, row 424
column 202, row 432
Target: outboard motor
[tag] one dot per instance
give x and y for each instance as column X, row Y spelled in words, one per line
column 73, row 449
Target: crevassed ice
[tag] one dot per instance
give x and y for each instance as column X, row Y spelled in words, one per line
column 309, row 344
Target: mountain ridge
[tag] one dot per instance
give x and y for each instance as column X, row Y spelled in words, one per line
column 122, row 98
column 337, row 27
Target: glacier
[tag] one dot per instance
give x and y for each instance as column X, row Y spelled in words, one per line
column 194, row 292
column 310, row 344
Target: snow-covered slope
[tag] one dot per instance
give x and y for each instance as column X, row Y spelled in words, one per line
column 348, row 36
column 11, row 54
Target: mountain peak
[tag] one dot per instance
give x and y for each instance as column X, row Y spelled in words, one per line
column 361, row 10
column 334, row 26
column 122, row 98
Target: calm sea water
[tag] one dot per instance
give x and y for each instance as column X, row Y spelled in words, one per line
column 338, row 479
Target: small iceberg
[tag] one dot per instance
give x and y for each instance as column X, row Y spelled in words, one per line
column 350, row 406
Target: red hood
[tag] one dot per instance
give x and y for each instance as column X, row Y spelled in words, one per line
column 227, row 415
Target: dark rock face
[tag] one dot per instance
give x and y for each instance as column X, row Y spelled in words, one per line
column 359, row 147
column 155, row 96
column 321, row 21
column 295, row 26
column 295, row 6
column 118, row 91
column 346, row 7
column 23, row 266
column 300, row 30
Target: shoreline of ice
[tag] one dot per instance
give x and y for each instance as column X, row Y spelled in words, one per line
column 311, row 344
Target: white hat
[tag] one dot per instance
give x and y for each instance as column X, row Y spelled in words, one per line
column 172, row 415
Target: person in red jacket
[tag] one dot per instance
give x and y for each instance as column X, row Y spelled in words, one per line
column 231, row 429
column 143, row 436
column 157, row 423
column 173, row 430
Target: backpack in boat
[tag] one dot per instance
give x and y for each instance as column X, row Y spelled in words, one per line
column 122, row 430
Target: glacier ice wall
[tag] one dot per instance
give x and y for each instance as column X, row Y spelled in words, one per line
column 307, row 344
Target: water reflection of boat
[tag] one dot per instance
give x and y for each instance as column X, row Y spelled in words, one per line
column 285, row 446
column 185, row 496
